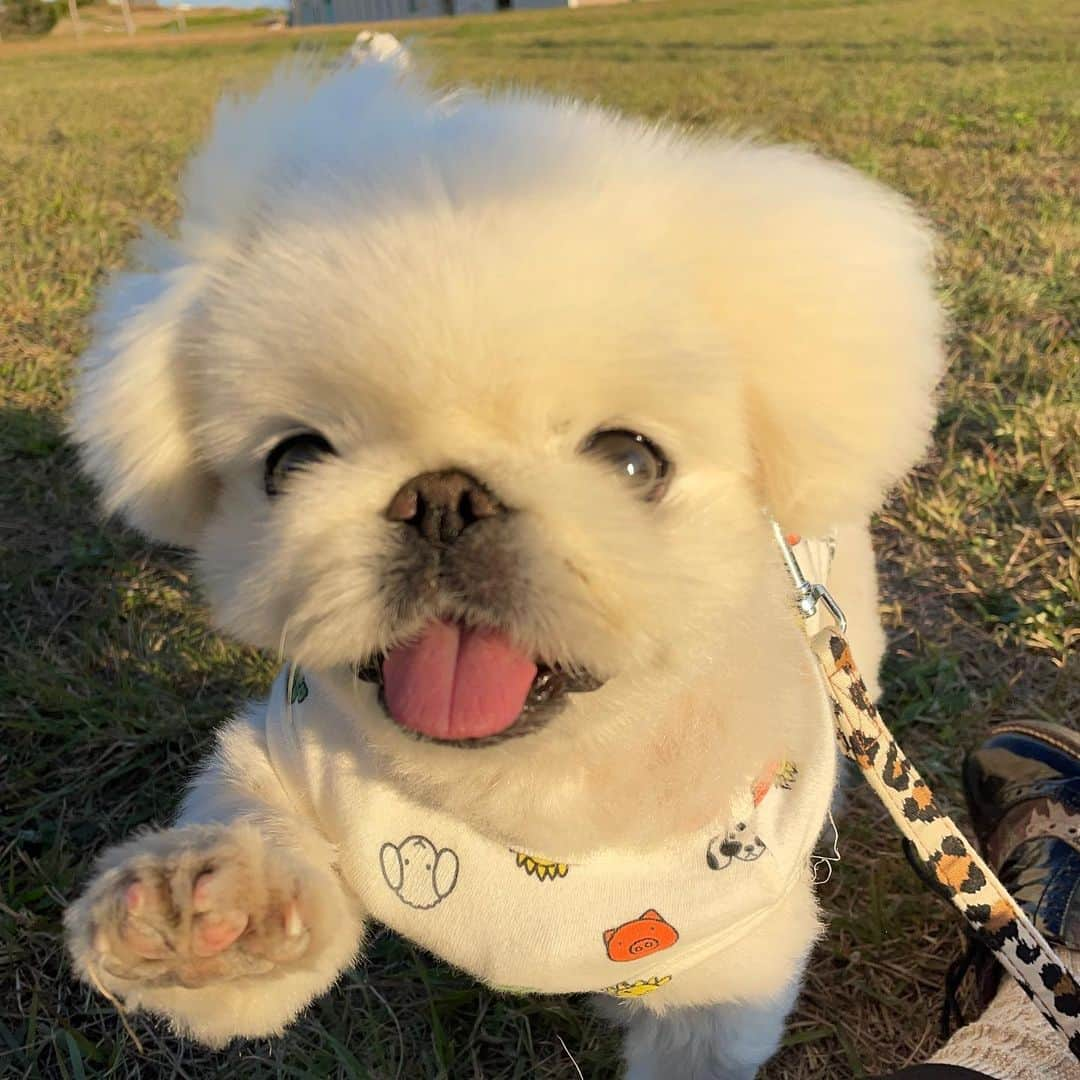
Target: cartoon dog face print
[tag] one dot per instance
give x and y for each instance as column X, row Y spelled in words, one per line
column 648, row 933
column 739, row 843
column 420, row 875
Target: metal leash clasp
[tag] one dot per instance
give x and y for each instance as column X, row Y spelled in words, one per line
column 807, row 594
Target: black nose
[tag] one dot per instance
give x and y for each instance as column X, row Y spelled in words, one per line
column 442, row 505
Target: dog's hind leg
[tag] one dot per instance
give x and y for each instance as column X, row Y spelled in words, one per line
column 705, row 1042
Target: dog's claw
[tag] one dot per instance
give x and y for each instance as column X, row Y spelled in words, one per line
column 294, row 924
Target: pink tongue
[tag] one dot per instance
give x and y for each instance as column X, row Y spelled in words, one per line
column 457, row 683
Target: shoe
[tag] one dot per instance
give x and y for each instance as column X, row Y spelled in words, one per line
column 1022, row 788
column 1023, row 792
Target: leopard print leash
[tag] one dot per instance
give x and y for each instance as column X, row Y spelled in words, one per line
column 962, row 877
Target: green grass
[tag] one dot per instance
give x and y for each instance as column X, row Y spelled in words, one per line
column 111, row 679
column 227, row 18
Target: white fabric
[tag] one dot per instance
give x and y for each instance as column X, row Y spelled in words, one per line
column 627, row 922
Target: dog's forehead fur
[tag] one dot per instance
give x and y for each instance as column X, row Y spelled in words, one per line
column 370, row 306
column 369, row 349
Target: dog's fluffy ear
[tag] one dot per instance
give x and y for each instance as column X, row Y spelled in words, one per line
column 128, row 415
column 826, row 297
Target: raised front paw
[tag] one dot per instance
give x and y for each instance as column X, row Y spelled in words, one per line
column 191, row 906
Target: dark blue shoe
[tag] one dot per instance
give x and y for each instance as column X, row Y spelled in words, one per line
column 1023, row 791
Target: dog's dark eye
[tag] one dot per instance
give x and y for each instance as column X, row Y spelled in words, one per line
column 293, row 454
column 637, row 460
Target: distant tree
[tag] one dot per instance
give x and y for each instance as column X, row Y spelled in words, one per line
column 27, row 18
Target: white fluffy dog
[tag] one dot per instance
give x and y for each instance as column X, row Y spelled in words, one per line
column 474, row 408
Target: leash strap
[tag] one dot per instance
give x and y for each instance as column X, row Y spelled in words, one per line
column 962, row 877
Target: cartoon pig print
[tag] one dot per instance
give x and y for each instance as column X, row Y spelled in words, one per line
column 421, row 875
column 648, row 933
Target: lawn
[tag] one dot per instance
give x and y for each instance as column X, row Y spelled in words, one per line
column 111, row 679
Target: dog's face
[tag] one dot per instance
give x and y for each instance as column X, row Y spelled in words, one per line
column 484, row 484
column 479, row 408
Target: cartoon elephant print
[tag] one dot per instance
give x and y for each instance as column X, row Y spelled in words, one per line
column 420, row 875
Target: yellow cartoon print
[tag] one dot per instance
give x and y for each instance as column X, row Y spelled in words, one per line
column 786, row 775
column 637, row 989
column 779, row 774
column 544, row 869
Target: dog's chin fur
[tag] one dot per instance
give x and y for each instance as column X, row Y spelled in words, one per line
column 481, row 284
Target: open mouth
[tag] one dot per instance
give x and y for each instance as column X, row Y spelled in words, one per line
column 457, row 683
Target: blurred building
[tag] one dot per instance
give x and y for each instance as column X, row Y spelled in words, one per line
column 312, row 12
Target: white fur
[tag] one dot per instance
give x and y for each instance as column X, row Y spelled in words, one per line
column 482, row 283
column 719, row 1042
column 383, row 48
